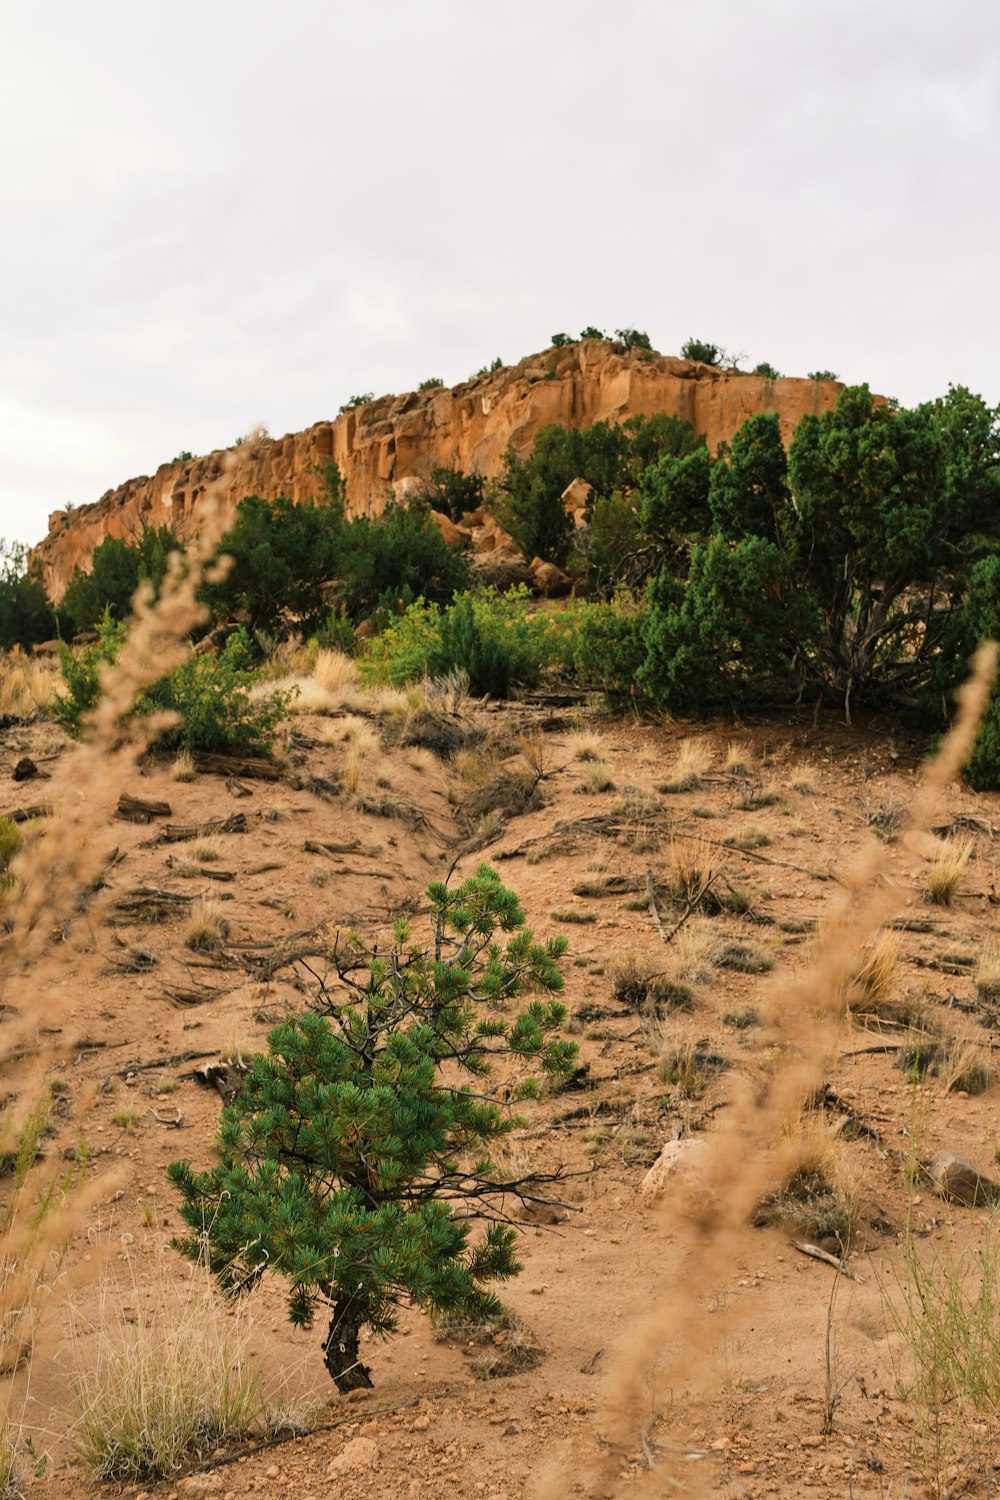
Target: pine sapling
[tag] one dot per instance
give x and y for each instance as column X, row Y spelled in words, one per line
column 371, row 1117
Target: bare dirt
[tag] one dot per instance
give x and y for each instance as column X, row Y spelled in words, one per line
column 137, row 1013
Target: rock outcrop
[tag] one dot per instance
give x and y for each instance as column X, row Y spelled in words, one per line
column 384, row 446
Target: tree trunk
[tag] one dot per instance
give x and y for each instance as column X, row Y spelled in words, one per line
column 340, row 1349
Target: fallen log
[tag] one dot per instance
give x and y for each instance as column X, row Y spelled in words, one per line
column 140, row 809
column 253, row 767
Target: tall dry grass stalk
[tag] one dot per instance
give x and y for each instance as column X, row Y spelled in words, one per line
column 174, row 1375
column 44, row 949
column 675, row 1338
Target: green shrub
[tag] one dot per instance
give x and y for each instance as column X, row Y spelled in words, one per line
column 767, row 370
column 561, row 340
column 116, row 569
column 453, row 492
column 350, row 1142
column 434, row 383
column 590, row 332
column 353, row 402
column 822, row 375
column 10, row 839
column 284, row 558
column 81, row 672
column 632, row 338
column 609, row 644
column 704, row 352
column 391, row 559
column 210, row 694
column 212, row 697
column 498, row 639
column 27, row 615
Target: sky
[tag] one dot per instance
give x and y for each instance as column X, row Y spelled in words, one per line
column 218, row 215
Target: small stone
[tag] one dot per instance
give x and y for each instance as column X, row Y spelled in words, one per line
column 811, row 1442
column 421, row 1423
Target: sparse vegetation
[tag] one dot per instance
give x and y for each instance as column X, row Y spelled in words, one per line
column 944, row 874
column 207, row 927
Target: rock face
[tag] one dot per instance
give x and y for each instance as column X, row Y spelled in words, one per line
column 383, row 447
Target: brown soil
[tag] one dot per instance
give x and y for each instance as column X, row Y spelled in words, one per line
column 594, row 1280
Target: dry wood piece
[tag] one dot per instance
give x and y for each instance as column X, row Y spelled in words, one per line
column 26, row 769
column 140, row 809
column 335, row 851
column 177, row 833
column 25, row 814
column 250, row 766
column 149, row 900
column 824, row 1255
column 236, row 788
column 202, row 871
column 176, row 1119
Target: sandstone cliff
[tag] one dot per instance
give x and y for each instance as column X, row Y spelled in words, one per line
column 398, row 438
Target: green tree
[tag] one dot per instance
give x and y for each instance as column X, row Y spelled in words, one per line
column 389, row 560
column 701, row 350
column 768, row 370
column 736, row 629
column 284, row 557
column 822, row 375
column 117, row 567
column 351, row 1144
column 632, row 338
column 590, row 332
column 453, row 492
column 560, row 340
column 27, row 615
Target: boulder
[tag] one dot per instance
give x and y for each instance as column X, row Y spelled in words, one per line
column 548, row 580
column 682, row 1161
column 356, row 1456
column 456, row 536
column 959, row 1181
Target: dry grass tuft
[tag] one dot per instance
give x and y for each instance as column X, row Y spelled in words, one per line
column 27, row 684
column 689, row 1068
column 164, row 1381
column 183, row 767
column 868, row 990
column 944, row 874
column 207, row 927
column 692, row 764
column 814, row 1194
column 586, row 744
column 885, row 816
column 507, row 1348
column 739, row 759
column 695, row 950
column 801, row 779
column 988, row 973
column 649, row 994
column 694, row 866
column 965, row 1068
column 596, row 778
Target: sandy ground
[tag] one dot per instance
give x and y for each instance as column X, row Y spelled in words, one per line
column 745, row 1417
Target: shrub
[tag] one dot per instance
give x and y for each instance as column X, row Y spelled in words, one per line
column 632, row 338
column 492, row 637
column 560, row 340
column 434, row 383
column 209, row 694
column 26, row 613
column 117, row 568
column 395, row 558
column 822, row 375
column 590, row 332
column 453, row 492
column 284, row 558
column 701, row 350
column 349, row 1142
column 212, row 697
column 355, row 401
column 609, row 645
column 767, row 370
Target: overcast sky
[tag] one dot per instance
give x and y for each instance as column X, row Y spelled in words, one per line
column 218, row 214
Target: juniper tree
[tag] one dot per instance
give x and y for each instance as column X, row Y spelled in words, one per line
column 355, row 1159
